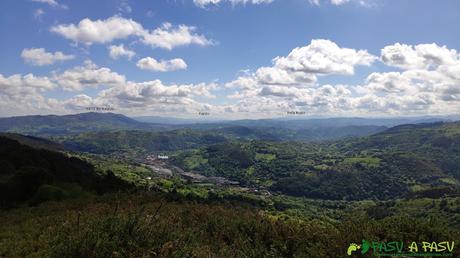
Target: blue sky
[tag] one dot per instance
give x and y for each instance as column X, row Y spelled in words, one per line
column 51, row 63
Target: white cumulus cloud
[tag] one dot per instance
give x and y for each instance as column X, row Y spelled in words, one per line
column 166, row 36
column 302, row 65
column 428, row 84
column 149, row 63
column 99, row 31
column 324, row 57
column 423, row 56
column 117, row 51
column 88, row 75
column 39, row 56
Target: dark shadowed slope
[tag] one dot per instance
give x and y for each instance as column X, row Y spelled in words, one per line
column 35, row 142
column 29, row 175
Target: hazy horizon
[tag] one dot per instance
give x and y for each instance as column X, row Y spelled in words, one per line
column 453, row 117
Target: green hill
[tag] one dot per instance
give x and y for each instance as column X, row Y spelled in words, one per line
column 437, row 142
column 402, row 161
column 319, row 133
column 30, row 175
column 35, row 142
column 140, row 142
column 70, row 124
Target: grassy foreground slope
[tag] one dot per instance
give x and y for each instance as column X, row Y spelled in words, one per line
column 147, row 225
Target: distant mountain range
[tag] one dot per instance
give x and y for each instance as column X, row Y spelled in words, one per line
column 307, row 122
column 266, row 129
column 341, row 121
column 175, row 120
column 69, row 124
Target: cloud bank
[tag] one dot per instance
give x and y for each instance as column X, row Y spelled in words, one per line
column 418, row 79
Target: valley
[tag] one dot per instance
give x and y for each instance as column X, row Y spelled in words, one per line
column 141, row 183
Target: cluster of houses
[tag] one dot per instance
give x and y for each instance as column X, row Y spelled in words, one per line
column 155, row 157
column 156, row 162
column 197, row 178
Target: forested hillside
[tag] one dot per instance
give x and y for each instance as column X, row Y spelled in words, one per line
column 436, row 142
column 139, row 141
column 29, row 175
column 396, row 163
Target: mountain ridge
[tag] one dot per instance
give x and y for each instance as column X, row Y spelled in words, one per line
column 271, row 129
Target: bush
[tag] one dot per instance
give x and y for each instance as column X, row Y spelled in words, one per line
column 48, row 193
